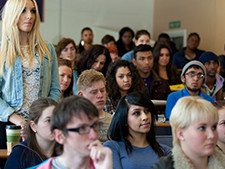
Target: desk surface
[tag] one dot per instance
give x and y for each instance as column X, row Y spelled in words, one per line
column 159, row 102
column 165, row 124
column 3, row 153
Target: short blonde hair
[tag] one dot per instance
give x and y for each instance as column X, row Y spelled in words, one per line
column 189, row 110
column 87, row 77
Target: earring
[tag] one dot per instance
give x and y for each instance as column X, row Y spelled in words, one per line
column 182, row 139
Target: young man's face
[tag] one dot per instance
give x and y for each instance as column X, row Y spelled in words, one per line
column 96, row 93
column 193, row 83
column 76, row 143
column 144, row 62
column 211, row 68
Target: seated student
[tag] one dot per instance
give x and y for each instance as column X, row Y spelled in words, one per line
column 109, row 42
column 86, row 41
column 164, row 38
column 213, row 86
column 65, row 78
column 192, row 76
column 40, row 143
column 75, row 126
column 66, row 49
column 191, row 52
column 163, row 64
column 91, row 85
column 97, row 57
column 141, row 37
column 132, row 134
column 122, row 78
column 193, row 121
column 143, row 60
column 125, row 42
column 220, row 105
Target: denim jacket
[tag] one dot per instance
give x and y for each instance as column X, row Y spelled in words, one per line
column 11, row 83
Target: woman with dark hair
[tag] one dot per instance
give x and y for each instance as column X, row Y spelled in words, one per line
column 66, row 49
column 97, row 57
column 40, row 143
column 65, row 78
column 163, row 64
column 86, row 39
column 142, row 37
column 125, row 43
column 121, row 78
column 132, row 134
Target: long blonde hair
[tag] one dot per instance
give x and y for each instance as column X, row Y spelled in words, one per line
column 10, row 43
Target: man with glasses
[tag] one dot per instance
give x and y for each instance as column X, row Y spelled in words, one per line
column 91, row 85
column 75, row 126
column 193, row 76
column 213, row 86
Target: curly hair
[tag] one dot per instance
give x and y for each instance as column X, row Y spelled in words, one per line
column 111, row 84
column 89, row 57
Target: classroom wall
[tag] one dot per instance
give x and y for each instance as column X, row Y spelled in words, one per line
column 66, row 18
column 203, row 16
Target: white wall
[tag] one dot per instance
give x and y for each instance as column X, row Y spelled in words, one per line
column 66, row 18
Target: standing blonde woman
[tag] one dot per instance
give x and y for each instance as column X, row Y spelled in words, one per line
column 194, row 122
column 28, row 65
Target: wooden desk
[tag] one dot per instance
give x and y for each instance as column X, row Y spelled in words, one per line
column 162, row 124
column 159, row 102
column 3, row 153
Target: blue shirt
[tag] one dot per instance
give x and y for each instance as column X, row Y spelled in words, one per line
column 11, row 83
column 175, row 96
column 140, row 158
column 128, row 56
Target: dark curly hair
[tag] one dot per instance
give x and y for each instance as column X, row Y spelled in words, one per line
column 89, row 57
column 172, row 72
column 111, row 85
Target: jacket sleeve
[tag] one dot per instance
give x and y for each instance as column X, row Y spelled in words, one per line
column 5, row 109
column 55, row 91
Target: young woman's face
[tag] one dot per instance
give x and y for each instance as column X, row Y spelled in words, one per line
column 127, row 38
column 143, row 40
column 199, row 139
column 99, row 63
column 27, row 18
column 164, row 57
column 69, row 52
column 221, row 126
column 124, row 78
column 87, row 36
column 138, row 120
column 43, row 132
column 65, row 77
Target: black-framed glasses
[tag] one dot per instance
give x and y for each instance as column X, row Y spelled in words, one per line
column 85, row 129
column 193, row 74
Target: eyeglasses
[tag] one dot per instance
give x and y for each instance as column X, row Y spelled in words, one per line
column 193, row 74
column 85, row 129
